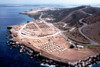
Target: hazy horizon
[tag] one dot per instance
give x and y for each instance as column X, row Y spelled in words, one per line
column 59, row 5
column 59, row 2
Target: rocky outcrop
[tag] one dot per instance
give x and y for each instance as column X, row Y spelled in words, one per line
column 9, row 27
column 82, row 63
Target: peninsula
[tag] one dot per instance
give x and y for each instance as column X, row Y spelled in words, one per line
column 56, row 41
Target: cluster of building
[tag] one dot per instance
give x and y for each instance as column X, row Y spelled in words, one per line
column 52, row 47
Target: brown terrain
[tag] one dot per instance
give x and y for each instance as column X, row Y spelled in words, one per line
column 93, row 28
column 48, row 41
column 74, row 34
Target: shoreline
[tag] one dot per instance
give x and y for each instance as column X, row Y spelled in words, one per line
column 35, row 54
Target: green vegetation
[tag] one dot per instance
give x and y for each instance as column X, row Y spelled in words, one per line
column 77, row 40
column 63, row 28
column 75, row 18
column 91, row 46
column 68, row 15
column 62, row 13
column 92, row 10
column 35, row 16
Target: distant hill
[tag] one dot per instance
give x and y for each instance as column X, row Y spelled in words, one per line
column 92, row 10
column 62, row 13
column 72, row 15
column 68, row 15
column 92, row 19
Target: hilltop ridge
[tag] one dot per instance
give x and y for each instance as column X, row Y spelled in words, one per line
column 66, row 15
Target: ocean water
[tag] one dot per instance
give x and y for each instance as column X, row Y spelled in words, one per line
column 12, row 58
column 96, row 65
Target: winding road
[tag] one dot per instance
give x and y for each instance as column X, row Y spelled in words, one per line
column 80, row 30
column 85, row 25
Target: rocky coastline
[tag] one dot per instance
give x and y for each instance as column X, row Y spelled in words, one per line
column 34, row 54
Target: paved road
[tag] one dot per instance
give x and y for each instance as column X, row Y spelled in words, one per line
column 80, row 30
column 85, row 25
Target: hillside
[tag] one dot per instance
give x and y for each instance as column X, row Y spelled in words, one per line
column 67, row 15
column 92, row 10
column 92, row 19
column 74, row 17
column 93, row 28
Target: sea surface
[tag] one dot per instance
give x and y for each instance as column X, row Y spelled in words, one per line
column 10, row 16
